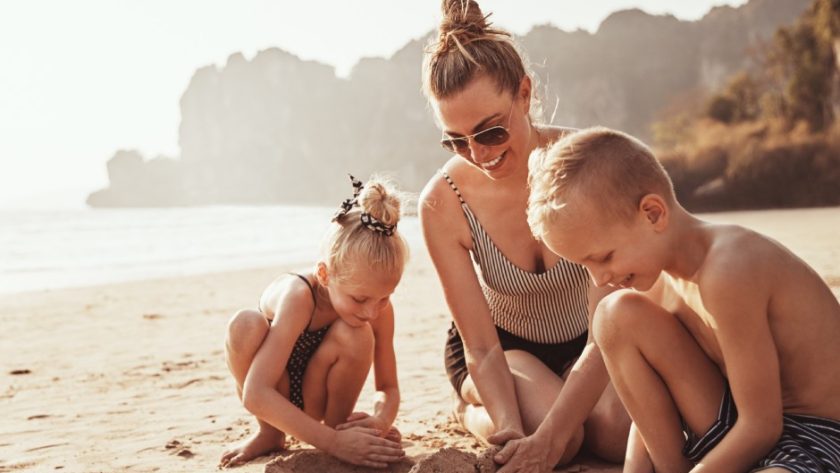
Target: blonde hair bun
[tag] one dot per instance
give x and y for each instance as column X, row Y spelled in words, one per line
column 462, row 19
column 379, row 198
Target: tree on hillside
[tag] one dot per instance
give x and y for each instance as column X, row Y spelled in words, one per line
column 803, row 60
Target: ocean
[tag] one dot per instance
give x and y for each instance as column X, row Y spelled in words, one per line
column 51, row 249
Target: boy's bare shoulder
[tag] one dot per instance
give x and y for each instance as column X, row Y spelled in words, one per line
column 738, row 259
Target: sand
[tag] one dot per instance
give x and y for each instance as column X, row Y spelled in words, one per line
column 131, row 377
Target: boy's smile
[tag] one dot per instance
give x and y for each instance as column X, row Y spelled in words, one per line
column 617, row 254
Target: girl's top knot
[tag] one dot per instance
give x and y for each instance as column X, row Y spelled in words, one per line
column 379, row 204
column 379, row 200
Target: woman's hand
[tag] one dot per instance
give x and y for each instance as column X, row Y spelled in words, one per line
column 364, row 446
column 521, row 454
column 363, row 419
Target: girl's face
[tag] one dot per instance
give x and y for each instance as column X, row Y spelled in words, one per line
column 481, row 107
column 361, row 296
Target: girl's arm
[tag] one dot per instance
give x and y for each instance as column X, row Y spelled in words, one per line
column 260, row 395
column 359, row 445
column 440, row 216
column 387, row 402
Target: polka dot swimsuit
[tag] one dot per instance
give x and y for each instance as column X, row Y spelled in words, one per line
column 305, row 346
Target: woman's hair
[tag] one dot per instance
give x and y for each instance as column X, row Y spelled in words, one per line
column 360, row 236
column 468, row 46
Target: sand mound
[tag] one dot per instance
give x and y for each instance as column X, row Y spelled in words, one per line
column 446, row 460
column 455, row 461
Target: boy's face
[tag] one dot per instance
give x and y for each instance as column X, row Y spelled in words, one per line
column 616, row 253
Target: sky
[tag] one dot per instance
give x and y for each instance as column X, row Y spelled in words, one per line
column 80, row 80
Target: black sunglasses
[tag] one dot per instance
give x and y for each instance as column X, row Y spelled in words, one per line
column 493, row 136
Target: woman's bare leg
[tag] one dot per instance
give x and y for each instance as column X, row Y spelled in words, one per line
column 607, row 427
column 536, row 389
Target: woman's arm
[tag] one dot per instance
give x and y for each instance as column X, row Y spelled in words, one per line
column 583, row 387
column 447, row 237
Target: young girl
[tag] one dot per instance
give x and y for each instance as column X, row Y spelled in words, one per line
column 300, row 361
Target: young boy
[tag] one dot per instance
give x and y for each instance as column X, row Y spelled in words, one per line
column 729, row 360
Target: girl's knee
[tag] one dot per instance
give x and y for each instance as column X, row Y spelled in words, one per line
column 351, row 343
column 246, row 328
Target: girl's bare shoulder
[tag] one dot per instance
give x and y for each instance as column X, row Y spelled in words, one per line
column 287, row 293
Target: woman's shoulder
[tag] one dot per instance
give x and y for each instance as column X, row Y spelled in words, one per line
column 438, row 192
column 551, row 133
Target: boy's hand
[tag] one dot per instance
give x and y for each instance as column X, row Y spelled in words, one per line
column 363, row 419
column 366, row 447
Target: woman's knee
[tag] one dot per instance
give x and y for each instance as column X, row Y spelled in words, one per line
column 607, row 428
column 245, row 329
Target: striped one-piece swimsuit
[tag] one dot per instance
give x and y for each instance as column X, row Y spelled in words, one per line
column 544, row 313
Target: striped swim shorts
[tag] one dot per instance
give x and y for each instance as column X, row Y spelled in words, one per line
column 808, row 444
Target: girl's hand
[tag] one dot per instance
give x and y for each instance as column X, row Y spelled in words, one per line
column 363, row 419
column 521, row 454
column 364, row 446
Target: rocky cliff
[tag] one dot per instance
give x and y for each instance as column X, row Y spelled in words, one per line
column 277, row 129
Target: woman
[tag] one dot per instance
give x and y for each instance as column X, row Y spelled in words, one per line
column 520, row 313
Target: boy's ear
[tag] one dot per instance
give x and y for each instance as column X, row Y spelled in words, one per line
column 322, row 274
column 655, row 211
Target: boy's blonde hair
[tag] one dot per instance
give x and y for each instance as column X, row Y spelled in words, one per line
column 607, row 167
column 350, row 244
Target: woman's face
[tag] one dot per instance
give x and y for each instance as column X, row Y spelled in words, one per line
column 479, row 107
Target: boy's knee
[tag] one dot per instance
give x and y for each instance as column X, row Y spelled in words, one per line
column 352, row 343
column 615, row 315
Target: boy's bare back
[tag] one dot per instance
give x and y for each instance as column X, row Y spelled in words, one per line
column 759, row 311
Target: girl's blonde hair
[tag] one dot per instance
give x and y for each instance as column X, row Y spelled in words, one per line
column 466, row 47
column 350, row 242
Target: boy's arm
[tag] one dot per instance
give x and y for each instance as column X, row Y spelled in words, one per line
column 738, row 298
